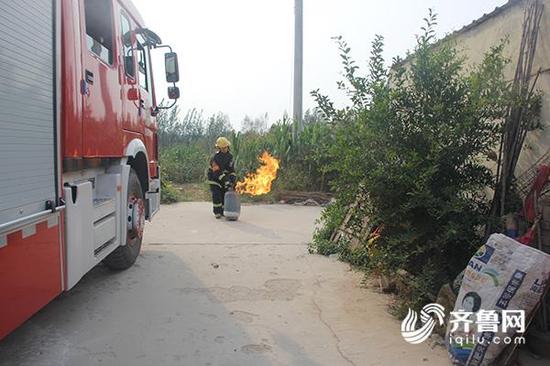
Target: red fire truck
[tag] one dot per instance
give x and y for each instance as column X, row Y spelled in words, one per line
column 79, row 170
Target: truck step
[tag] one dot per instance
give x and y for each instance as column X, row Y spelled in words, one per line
column 104, row 231
column 98, row 250
column 103, row 207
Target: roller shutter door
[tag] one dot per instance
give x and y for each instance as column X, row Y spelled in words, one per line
column 27, row 108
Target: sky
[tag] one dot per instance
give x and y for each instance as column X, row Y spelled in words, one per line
column 236, row 56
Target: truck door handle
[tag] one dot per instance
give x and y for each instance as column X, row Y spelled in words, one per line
column 89, row 77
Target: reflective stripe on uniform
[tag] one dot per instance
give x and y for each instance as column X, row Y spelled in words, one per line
column 221, row 176
column 214, row 183
column 217, row 205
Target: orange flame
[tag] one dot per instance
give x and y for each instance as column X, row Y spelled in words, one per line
column 259, row 182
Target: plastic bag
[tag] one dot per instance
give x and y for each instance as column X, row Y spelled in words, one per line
column 504, row 276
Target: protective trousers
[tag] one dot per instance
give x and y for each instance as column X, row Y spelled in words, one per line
column 218, row 190
column 218, row 194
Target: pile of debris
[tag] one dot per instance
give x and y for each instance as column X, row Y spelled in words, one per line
column 305, row 198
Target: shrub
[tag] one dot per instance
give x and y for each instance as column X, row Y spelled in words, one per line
column 330, row 220
column 413, row 146
column 184, row 163
column 168, row 193
column 187, row 143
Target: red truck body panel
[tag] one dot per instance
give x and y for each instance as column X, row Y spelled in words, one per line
column 96, row 117
column 31, row 274
column 71, row 76
column 97, row 120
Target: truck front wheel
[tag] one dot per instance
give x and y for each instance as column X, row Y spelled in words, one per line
column 125, row 256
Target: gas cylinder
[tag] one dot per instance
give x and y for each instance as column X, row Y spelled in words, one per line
column 232, row 205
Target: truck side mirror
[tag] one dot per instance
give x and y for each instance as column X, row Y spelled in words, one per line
column 173, row 92
column 171, row 66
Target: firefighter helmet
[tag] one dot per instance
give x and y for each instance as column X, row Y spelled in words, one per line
column 222, row 142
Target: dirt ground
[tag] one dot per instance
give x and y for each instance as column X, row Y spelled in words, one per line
column 211, row 292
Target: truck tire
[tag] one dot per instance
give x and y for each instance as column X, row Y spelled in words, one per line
column 125, row 256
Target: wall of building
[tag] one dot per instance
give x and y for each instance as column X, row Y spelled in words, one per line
column 476, row 39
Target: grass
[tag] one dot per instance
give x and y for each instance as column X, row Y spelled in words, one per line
column 199, row 192
column 193, row 192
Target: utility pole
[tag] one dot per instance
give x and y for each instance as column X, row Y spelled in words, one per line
column 298, row 62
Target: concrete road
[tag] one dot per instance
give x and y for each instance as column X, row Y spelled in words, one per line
column 210, row 292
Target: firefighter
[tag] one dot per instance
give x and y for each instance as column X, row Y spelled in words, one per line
column 221, row 174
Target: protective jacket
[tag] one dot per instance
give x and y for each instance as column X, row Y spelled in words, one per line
column 221, row 171
column 221, row 176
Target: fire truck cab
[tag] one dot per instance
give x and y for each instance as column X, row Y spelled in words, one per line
column 78, row 144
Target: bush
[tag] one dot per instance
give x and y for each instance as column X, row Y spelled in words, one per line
column 324, row 247
column 415, row 154
column 330, row 220
column 187, row 144
column 168, row 193
column 185, row 163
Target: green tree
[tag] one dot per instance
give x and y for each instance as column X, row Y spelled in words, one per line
column 168, row 126
column 217, row 125
column 257, row 124
column 413, row 146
